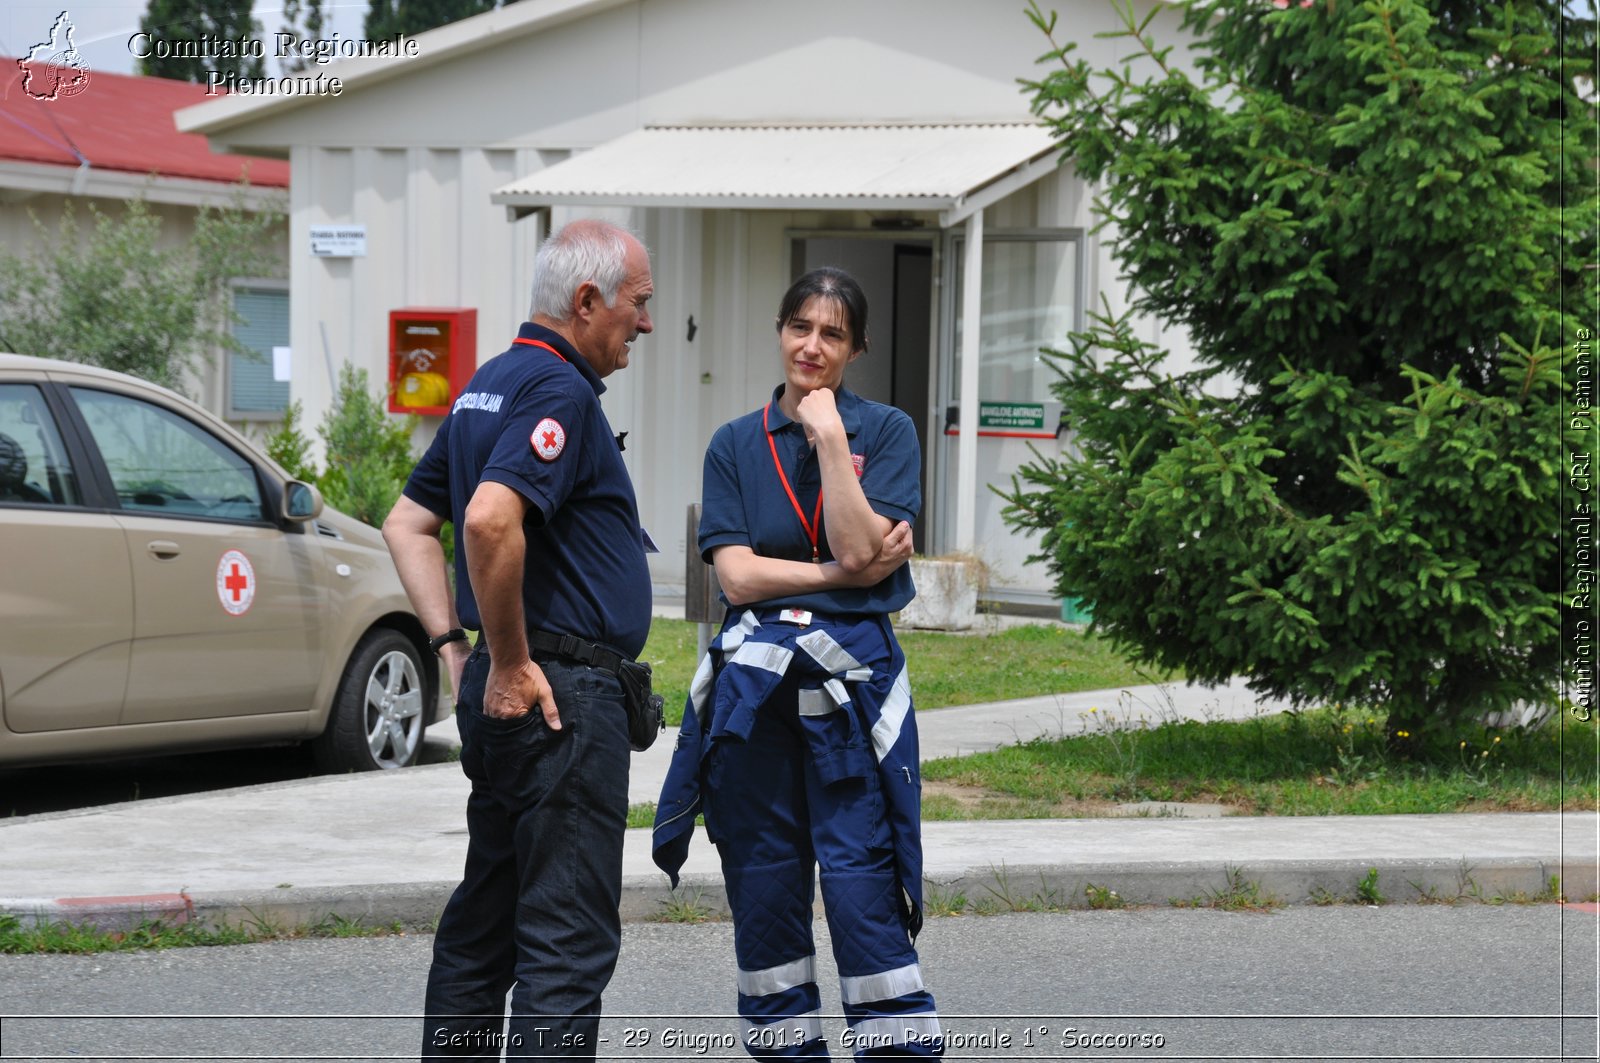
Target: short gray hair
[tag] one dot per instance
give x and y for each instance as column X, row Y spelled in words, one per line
column 583, row 250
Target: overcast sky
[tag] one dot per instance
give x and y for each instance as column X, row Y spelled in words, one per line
column 104, row 26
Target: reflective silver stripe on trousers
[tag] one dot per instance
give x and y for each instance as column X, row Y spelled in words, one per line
column 836, row 690
column 826, row 651
column 700, row 687
column 897, row 1029
column 785, row 1033
column 885, row 985
column 829, row 698
column 777, row 979
column 819, row 702
column 734, row 637
column 886, row 732
column 815, row 703
column 764, row 655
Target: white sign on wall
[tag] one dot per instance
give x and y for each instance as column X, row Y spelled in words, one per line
column 339, row 241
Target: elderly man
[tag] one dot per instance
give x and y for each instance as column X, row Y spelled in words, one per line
column 550, row 566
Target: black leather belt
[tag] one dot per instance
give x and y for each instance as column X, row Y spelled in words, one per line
column 572, row 648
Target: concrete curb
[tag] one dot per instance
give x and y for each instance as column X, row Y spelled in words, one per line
column 104, row 913
column 979, row 890
column 1263, row 884
column 411, row 904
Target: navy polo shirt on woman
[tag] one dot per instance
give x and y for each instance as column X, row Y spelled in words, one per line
column 531, row 419
column 743, row 501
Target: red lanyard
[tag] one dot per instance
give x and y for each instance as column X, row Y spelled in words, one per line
column 815, row 523
column 540, row 343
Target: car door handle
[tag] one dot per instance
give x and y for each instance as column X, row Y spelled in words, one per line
column 163, row 549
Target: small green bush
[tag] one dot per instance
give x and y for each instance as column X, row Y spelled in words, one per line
column 368, row 451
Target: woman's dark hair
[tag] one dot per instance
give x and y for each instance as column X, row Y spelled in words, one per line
column 839, row 288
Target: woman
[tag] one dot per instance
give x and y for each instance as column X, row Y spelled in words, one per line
column 798, row 742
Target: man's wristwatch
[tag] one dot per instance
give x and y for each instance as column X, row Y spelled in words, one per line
column 439, row 642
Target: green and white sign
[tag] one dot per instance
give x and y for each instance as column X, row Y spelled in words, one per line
column 1025, row 416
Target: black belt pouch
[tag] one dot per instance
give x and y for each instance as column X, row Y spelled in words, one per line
column 645, row 718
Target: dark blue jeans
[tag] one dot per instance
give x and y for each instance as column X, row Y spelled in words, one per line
column 536, row 911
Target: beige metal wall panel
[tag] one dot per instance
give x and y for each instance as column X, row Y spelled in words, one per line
column 434, row 223
column 322, row 327
column 381, row 281
column 487, row 272
column 570, row 84
column 767, row 278
column 837, row 60
column 665, row 422
column 433, row 239
column 728, row 359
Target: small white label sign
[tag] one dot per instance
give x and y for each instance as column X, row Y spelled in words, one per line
column 339, row 241
column 280, row 364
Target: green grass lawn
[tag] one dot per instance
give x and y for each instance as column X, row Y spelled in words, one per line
column 1322, row 762
column 945, row 669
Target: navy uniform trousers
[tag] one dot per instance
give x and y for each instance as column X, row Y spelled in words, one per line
column 803, row 745
column 536, row 911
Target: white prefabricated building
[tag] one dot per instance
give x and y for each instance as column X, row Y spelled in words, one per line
column 746, row 141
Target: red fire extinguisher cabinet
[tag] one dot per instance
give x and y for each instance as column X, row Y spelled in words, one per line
column 432, row 354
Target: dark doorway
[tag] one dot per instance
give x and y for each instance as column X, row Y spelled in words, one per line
column 897, row 277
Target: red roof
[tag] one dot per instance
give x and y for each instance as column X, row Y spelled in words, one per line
column 119, row 122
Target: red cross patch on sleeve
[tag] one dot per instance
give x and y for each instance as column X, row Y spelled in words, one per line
column 549, row 439
column 860, row 462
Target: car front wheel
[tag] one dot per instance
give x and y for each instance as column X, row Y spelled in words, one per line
column 380, row 711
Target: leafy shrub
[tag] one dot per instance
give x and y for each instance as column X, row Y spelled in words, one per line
column 368, row 451
column 112, row 295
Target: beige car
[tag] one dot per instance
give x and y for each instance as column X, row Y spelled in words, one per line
column 164, row 586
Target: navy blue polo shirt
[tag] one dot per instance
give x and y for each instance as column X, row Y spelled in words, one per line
column 743, row 501
column 532, row 421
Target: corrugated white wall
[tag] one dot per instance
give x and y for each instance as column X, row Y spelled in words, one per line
column 433, row 239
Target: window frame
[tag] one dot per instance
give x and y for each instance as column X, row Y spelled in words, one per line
column 235, row 286
column 106, row 485
column 64, row 430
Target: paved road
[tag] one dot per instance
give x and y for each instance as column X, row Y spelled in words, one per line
column 1407, row 982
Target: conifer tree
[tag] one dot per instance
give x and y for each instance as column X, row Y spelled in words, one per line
column 1376, row 222
column 303, row 20
column 211, row 21
column 386, row 18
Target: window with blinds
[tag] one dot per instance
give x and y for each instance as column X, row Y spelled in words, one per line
column 265, row 325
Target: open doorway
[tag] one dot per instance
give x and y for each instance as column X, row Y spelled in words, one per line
column 896, row 273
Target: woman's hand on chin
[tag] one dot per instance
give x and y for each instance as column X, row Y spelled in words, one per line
column 818, row 414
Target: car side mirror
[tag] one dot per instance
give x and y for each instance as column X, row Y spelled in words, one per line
column 301, row 501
